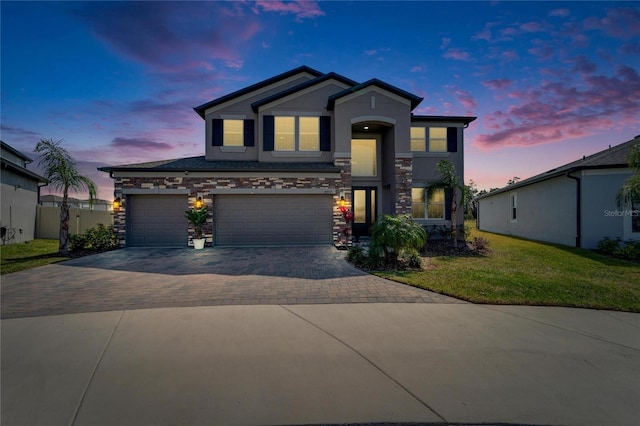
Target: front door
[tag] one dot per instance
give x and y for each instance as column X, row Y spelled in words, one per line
column 364, row 210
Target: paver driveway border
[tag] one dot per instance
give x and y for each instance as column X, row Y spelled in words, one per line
column 137, row 278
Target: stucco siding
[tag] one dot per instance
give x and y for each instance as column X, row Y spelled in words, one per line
column 18, row 211
column 545, row 212
column 601, row 217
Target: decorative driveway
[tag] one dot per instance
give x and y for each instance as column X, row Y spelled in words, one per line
column 131, row 278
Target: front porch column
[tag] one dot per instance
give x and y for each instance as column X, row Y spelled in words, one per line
column 343, row 187
column 404, row 180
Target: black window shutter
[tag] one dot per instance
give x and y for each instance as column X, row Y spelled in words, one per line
column 325, row 133
column 448, row 193
column 452, row 139
column 216, row 132
column 249, row 137
column 269, row 132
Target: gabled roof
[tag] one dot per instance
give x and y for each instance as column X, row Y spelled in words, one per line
column 330, row 76
column 610, row 158
column 200, row 164
column 7, row 147
column 303, row 69
column 415, row 100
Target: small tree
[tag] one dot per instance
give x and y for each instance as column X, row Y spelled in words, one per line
column 61, row 172
column 449, row 181
column 391, row 235
column 197, row 218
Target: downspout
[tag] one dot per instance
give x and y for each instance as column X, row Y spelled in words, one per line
column 578, row 208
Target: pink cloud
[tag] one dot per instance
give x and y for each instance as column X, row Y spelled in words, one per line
column 510, row 55
column 532, row 27
column 558, row 111
column 301, row 9
column 138, row 144
column 457, row 54
column 498, row 84
column 559, row 12
column 623, row 22
column 632, row 48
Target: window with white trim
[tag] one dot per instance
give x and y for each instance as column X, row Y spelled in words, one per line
column 514, row 207
column 427, row 203
column 297, row 134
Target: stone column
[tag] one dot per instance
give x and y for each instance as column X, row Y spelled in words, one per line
column 404, row 180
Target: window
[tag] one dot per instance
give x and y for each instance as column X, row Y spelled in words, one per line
column 635, row 216
column 514, row 207
column 418, row 139
column 427, row 203
column 233, row 134
column 297, row 133
column 285, row 132
column 437, row 139
column 309, row 134
column 363, row 157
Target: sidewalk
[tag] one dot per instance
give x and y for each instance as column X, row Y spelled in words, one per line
column 323, row 364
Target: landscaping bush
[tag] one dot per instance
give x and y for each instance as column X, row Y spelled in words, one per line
column 479, row 244
column 629, row 250
column 356, row 255
column 608, row 245
column 96, row 240
column 393, row 236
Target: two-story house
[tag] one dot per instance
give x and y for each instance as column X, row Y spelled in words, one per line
column 282, row 154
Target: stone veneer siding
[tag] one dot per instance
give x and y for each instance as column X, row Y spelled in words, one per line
column 202, row 185
column 404, row 180
column 344, row 187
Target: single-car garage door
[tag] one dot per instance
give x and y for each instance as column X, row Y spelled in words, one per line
column 273, row 219
column 157, row 221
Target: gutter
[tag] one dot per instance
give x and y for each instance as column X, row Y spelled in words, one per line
column 578, row 206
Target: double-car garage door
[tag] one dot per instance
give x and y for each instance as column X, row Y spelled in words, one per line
column 158, row 220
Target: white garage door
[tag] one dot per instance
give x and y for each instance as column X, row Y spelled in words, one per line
column 157, row 221
column 273, row 219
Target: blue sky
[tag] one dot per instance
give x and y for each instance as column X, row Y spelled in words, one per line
column 549, row 81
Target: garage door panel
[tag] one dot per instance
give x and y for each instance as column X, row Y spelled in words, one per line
column 273, row 219
column 157, row 220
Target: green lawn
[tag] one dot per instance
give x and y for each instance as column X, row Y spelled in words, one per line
column 21, row 256
column 523, row 272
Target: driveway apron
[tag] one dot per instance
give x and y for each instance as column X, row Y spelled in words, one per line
column 157, row 278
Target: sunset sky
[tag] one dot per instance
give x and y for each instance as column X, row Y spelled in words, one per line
column 549, row 81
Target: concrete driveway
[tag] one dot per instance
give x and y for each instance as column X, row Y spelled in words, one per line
column 299, row 351
column 153, row 278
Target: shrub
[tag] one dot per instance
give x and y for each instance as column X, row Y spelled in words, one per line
column 356, row 255
column 629, row 251
column 98, row 239
column 608, row 245
column 390, row 235
column 479, row 244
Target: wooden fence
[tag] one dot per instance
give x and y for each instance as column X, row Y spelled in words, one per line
column 48, row 220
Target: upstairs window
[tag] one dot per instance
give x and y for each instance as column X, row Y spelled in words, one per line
column 363, row 157
column 437, row 139
column 233, row 134
column 418, row 139
column 297, row 133
column 428, row 203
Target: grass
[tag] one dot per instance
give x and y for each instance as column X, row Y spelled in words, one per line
column 524, row 272
column 18, row 257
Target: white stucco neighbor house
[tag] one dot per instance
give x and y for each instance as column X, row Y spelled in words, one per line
column 283, row 154
column 574, row 204
column 19, row 196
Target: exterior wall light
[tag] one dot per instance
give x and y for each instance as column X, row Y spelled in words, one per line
column 199, row 203
column 117, row 203
column 343, row 202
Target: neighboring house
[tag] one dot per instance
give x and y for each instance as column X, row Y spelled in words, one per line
column 20, row 189
column 56, row 201
column 282, row 153
column 574, row 204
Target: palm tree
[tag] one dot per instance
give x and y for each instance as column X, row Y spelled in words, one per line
column 60, row 170
column 630, row 190
column 449, row 181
